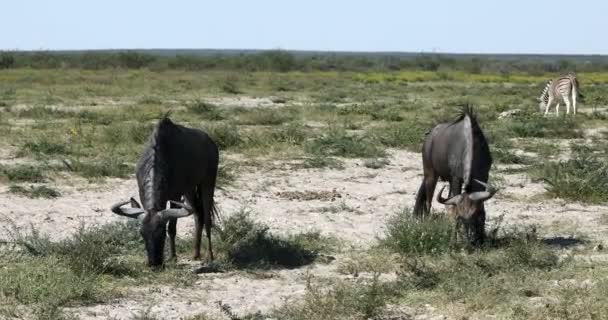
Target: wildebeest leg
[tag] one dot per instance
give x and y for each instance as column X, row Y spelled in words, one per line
column 430, row 182
column 172, row 231
column 455, row 189
column 206, row 194
column 195, row 201
column 479, row 226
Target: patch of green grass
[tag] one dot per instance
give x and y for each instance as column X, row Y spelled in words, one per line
column 292, row 133
column 207, row 110
column 340, row 300
column 320, row 161
column 43, row 146
column 538, row 126
column 265, row 116
column 46, row 282
column 247, row 244
column 35, row 191
column 337, row 142
column 229, row 85
column 408, row 135
column 22, row 173
column 226, row 136
column 582, row 178
column 108, row 166
column 408, row 235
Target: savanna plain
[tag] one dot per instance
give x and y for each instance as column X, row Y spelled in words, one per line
column 318, row 172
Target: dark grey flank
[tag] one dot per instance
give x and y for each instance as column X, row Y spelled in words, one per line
column 177, row 166
column 458, row 152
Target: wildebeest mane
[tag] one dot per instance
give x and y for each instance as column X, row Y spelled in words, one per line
column 153, row 165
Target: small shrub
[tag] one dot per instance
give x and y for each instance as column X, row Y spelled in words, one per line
column 35, row 191
column 103, row 167
column 337, row 142
column 323, row 162
column 265, row 117
column 225, row 135
column 249, row 244
column 209, row 111
column 22, row 173
column 538, row 126
column 229, row 85
column 408, row 235
column 582, row 178
column 43, row 147
column 342, row 300
column 375, row 163
column 293, row 133
column 402, row 135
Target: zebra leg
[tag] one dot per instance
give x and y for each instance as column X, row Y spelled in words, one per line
column 557, row 109
column 548, row 105
column 574, row 101
column 567, row 104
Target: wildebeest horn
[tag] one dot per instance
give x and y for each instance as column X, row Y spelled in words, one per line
column 184, row 210
column 483, row 195
column 127, row 212
column 451, row 201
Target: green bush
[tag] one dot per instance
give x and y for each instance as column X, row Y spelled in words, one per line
column 249, row 244
column 226, row 136
column 22, row 173
column 582, row 178
column 337, row 142
column 35, row 191
column 408, row 235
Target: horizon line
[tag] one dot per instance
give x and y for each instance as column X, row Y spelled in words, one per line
column 304, row 51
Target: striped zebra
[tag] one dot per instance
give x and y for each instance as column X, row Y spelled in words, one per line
column 562, row 88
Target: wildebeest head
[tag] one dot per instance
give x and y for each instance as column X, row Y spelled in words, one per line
column 468, row 211
column 153, row 225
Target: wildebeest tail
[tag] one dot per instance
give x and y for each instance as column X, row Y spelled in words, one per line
column 419, row 206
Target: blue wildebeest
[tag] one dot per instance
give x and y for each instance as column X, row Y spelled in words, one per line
column 457, row 152
column 177, row 163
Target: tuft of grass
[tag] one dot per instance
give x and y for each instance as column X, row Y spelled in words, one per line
column 582, row 178
column 340, row 300
column 401, row 135
column 320, row 161
column 98, row 168
column 247, row 244
column 22, row 173
column 225, row 135
column 538, row 126
column 265, row 117
column 293, row 133
column 43, row 146
column 337, row 142
column 35, row 191
column 375, row 163
column 229, row 85
column 207, row 110
column 408, row 235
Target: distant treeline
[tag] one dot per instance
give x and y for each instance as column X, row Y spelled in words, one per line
column 284, row 61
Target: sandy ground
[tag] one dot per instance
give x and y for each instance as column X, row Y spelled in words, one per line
column 368, row 197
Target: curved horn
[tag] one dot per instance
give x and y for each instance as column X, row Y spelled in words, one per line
column 184, row 210
column 483, row 195
column 127, row 212
column 451, row 201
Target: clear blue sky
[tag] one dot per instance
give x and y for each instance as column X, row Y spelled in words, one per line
column 516, row 26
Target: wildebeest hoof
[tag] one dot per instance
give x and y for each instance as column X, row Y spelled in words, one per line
column 210, row 267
